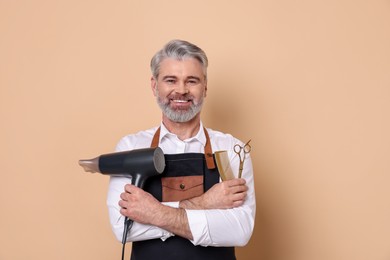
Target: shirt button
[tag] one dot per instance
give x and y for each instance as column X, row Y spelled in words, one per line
column 182, row 186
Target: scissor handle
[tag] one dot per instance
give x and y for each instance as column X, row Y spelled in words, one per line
column 247, row 148
column 237, row 148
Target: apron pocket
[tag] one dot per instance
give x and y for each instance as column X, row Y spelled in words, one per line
column 181, row 188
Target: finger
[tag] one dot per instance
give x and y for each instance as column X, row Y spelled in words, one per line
column 128, row 188
column 123, row 196
column 236, row 182
column 238, row 203
column 123, row 211
column 238, row 189
column 239, row 200
column 122, row 204
column 239, row 196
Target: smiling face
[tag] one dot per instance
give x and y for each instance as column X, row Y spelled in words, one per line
column 180, row 89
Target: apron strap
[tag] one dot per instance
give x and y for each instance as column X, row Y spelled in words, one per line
column 156, row 139
column 208, row 152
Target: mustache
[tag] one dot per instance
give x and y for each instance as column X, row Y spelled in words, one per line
column 184, row 97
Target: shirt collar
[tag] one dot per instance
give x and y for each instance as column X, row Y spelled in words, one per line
column 200, row 136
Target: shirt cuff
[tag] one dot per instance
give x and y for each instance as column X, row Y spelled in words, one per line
column 198, row 225
column 174, row 204
column 166, row 235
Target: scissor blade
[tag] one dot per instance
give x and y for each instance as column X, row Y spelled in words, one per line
column 247, row 142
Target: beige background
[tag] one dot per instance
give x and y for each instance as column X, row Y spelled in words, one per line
column 307, row 81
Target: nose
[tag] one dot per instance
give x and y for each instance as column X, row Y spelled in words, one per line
column 181, row 88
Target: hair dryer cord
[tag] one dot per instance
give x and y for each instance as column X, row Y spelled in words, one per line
column 127, row 226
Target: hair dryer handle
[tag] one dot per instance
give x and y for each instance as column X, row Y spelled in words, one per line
column 137, row 180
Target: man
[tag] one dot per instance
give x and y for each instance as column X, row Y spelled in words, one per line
column 186, row 212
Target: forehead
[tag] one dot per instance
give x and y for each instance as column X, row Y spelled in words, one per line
column 181, row 68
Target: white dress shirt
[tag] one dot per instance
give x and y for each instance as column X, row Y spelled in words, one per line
column 216, row 227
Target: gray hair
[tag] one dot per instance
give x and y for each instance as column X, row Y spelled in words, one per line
column 179, row 50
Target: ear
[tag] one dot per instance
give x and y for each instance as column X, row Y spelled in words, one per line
column 153, row 85
column 205, row 90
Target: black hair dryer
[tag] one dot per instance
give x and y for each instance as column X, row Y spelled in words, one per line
column 139, row 164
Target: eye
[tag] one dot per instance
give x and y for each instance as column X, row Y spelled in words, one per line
column 170, row 81
column 192, row 82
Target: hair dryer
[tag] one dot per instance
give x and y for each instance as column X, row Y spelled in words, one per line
column 139, row 164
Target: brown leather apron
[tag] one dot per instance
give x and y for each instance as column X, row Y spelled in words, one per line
column 185, row 176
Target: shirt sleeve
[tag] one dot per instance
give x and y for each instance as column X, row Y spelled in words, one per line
column 226, row 227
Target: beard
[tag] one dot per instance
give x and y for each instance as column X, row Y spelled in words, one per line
column 180, row 115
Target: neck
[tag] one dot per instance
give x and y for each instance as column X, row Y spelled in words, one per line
column 183, row 130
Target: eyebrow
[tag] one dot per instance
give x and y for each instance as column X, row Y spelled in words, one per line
column 174, row 77
column 169, row 77
column 193, row 77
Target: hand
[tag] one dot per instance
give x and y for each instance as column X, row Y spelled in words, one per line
column 223, row 195
column 138, row 205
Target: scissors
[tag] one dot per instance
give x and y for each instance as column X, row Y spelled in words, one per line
column 238, row 150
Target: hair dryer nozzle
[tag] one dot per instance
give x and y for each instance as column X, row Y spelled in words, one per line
column 91, row 165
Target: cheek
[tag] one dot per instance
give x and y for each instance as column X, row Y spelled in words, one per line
column 203, row 93
column 160, row 93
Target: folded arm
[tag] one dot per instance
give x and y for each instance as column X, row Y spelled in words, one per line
column 222, row 216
